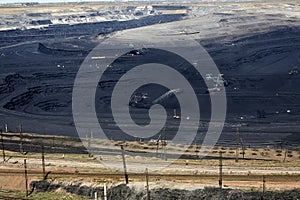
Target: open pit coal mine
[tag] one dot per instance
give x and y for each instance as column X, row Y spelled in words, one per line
column 257, row 50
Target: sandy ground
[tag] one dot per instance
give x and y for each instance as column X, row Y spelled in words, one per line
column 190, row 173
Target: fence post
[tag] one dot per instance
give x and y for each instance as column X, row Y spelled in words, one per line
column 237, row 145
column 105, row 191
column 264, row 187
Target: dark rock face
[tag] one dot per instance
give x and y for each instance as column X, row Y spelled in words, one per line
column 62, row 30
column 62, row 52
column 258, row 53
column 40, row 22
column 123, row 192
column 166, row 7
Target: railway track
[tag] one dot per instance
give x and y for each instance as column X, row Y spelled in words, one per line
column 154, row 176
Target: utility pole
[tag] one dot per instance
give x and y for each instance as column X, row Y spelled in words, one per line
column 243, row 148
column 147, row 184
column 163, row 139
column 220, row 170
column 3, row 149
column 124, row 165
column 237, row 145
column 26, row 178
column 30, row 145
column 157, row 145
column 164, row 145
column 21, row 139
column 53, row 144
column 89, row 143
column 285, row 153
column 196, row 150
column 43, row 161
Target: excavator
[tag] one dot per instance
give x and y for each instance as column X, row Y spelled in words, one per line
column 141, row 100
